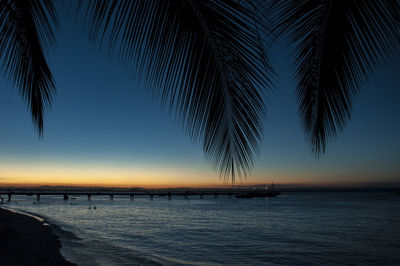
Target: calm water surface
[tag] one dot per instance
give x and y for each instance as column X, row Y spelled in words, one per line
column 316, row 228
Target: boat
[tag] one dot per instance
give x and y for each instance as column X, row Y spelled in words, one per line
column 259, row 193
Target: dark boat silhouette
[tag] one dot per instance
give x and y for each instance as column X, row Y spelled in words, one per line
column 259, row 193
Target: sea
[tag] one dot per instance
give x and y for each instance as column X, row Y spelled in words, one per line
column 294, row 228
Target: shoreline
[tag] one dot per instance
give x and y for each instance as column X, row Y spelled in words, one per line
column 28, row 241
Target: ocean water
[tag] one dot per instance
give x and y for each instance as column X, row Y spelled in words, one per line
column 298, row 228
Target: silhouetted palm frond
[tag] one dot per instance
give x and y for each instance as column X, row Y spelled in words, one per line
column 203, row 60
column 25, row 33
column 340, row 43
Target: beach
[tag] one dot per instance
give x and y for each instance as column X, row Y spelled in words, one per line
column 26, row 241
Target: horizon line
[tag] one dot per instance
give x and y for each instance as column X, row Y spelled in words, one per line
column 389, row 184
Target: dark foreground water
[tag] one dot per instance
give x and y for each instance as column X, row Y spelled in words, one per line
column 316, row 228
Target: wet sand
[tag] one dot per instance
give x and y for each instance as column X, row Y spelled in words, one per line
column 26, row 241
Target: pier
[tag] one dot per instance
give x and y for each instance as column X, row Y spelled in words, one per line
column 90, row 193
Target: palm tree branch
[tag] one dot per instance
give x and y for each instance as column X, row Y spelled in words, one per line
column 202, row 60
column 26, row 32
column 340, row 44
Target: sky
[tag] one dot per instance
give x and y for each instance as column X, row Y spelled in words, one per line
column 105, row 130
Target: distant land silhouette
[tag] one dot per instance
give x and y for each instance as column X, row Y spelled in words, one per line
column 392, row 186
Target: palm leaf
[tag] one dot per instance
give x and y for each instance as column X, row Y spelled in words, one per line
column 339, row 45
column 26, row 32
column 202, row 60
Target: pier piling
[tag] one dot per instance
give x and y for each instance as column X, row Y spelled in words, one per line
column 37, row 197
column 89, row 196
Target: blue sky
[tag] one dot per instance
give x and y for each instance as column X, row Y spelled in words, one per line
column 104, row 128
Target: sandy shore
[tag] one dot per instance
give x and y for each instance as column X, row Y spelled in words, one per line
column 26, row 241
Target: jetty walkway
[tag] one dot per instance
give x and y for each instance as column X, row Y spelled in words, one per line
column 66, row 194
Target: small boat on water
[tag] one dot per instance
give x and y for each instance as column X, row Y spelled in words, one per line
column 259, row 193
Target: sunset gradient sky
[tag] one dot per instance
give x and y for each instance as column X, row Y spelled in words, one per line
column 103, row 129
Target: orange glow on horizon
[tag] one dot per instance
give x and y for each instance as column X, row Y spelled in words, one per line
column 22, row 174
column 18, row 174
